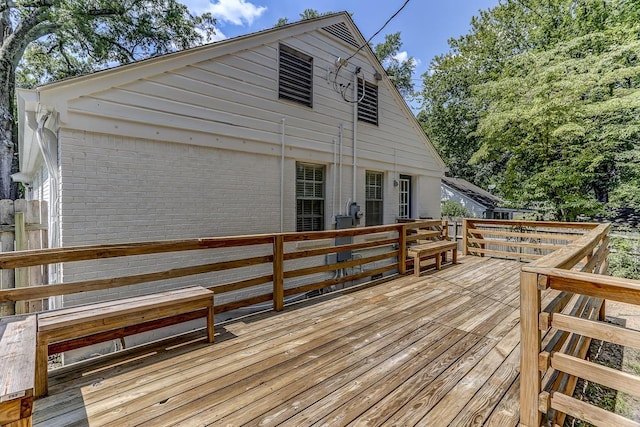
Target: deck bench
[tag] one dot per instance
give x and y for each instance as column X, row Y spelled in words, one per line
column 17, row 369
column 437, row 248
column 75, row 327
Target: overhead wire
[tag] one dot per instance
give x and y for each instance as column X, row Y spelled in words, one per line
column 342, row 91
column 381, row 28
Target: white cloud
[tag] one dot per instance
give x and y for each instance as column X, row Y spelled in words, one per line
column 237, row 12
column 403, row 56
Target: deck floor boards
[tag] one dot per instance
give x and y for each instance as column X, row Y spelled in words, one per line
column 438, row 349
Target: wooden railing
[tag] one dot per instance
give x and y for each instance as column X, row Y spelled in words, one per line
column 562, row 303
column 291, row 256
column 521, row 240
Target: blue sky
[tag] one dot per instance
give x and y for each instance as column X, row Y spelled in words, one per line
column 425, row 25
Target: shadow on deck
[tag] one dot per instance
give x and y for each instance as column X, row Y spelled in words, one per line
column 439, row 349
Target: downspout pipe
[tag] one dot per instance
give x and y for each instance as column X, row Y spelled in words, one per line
column 282, row 147
column 340, row 177
column 335, row 176
column 355, row 134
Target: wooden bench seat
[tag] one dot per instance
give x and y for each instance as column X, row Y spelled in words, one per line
column 75, row 327
column 437, row 248
column 17, row 369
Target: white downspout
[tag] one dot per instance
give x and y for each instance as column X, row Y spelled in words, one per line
column 340, row 178
column 355, row 134
column 45, row 137
column 282, row 177
column 335, row 173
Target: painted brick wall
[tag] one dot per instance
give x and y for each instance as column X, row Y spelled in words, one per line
column 117, row 189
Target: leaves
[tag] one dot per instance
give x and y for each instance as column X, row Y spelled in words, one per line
column 73, row 37
column 550, row 112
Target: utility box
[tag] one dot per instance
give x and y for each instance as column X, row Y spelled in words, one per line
column 344, row 222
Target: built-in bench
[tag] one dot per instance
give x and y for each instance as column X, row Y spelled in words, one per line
column 76, row 327
column 432, row 243
column 437, row 249
column 17, row 369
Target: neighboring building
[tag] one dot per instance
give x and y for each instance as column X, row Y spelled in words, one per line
column 479, row 202
column 253, row 134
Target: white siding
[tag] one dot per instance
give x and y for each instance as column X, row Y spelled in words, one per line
column 477, row 210
column 195, row 151
column 235, row 96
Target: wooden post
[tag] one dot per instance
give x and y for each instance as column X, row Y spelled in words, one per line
column 7, row 244
column 41, row 386
column 530, row 342
column 21, row 273
column 465, row 237
column 278, row 272
column 402, row 249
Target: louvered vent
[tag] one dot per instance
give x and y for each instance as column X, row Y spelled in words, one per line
column 296, row 76
column 341, row 31
column 368, row 107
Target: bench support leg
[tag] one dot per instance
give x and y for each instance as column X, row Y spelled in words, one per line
column 41, row 386
column 438, row 261
column 416, row 266
column 454, row 256
column 210, row 331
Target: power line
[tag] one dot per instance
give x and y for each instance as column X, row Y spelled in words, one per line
column 378, row 32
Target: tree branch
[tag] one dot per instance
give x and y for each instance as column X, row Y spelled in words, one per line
column 12, row 43
column 35, row 34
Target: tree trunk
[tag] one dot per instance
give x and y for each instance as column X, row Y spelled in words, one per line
column 8, row 189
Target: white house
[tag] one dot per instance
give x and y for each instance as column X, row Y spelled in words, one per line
column 479, row 202
column 279, row 130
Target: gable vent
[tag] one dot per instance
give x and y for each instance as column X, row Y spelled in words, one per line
column 368, row 107
column 341, row 31
column 296, row 76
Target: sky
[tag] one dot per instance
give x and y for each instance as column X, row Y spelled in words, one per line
column 425, row 25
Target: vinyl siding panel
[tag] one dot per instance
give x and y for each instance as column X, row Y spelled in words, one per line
column 236, row 96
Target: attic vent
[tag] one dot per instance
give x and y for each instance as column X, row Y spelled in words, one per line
column 296, row 76
column 368, row 107
column 341, row 31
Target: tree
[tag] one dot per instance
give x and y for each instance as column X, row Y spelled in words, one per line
column 399, row 70
column 45, row 40
column 541, row 99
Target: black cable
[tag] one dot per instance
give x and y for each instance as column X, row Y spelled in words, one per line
column 378, row 32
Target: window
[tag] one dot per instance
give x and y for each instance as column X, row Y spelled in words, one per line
column 404, row 210
column 296, row 76
column 373, row 198
column 368, row 107
column 309, row 197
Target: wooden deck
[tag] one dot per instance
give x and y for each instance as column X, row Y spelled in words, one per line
column 433, row 350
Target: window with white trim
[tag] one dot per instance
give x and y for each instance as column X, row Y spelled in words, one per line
column 310, row 183
column 373, row 198
column 295, row 81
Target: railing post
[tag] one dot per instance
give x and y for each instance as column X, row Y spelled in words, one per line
column 278, row 272
column 402, row 249
column 21, row 274
column 530, row 342
column 465, row 237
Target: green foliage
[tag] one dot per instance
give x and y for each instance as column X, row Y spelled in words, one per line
column 70, row 37
column 451, row 209
column 399, row 71
column 624, row 259
column 542, row 99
